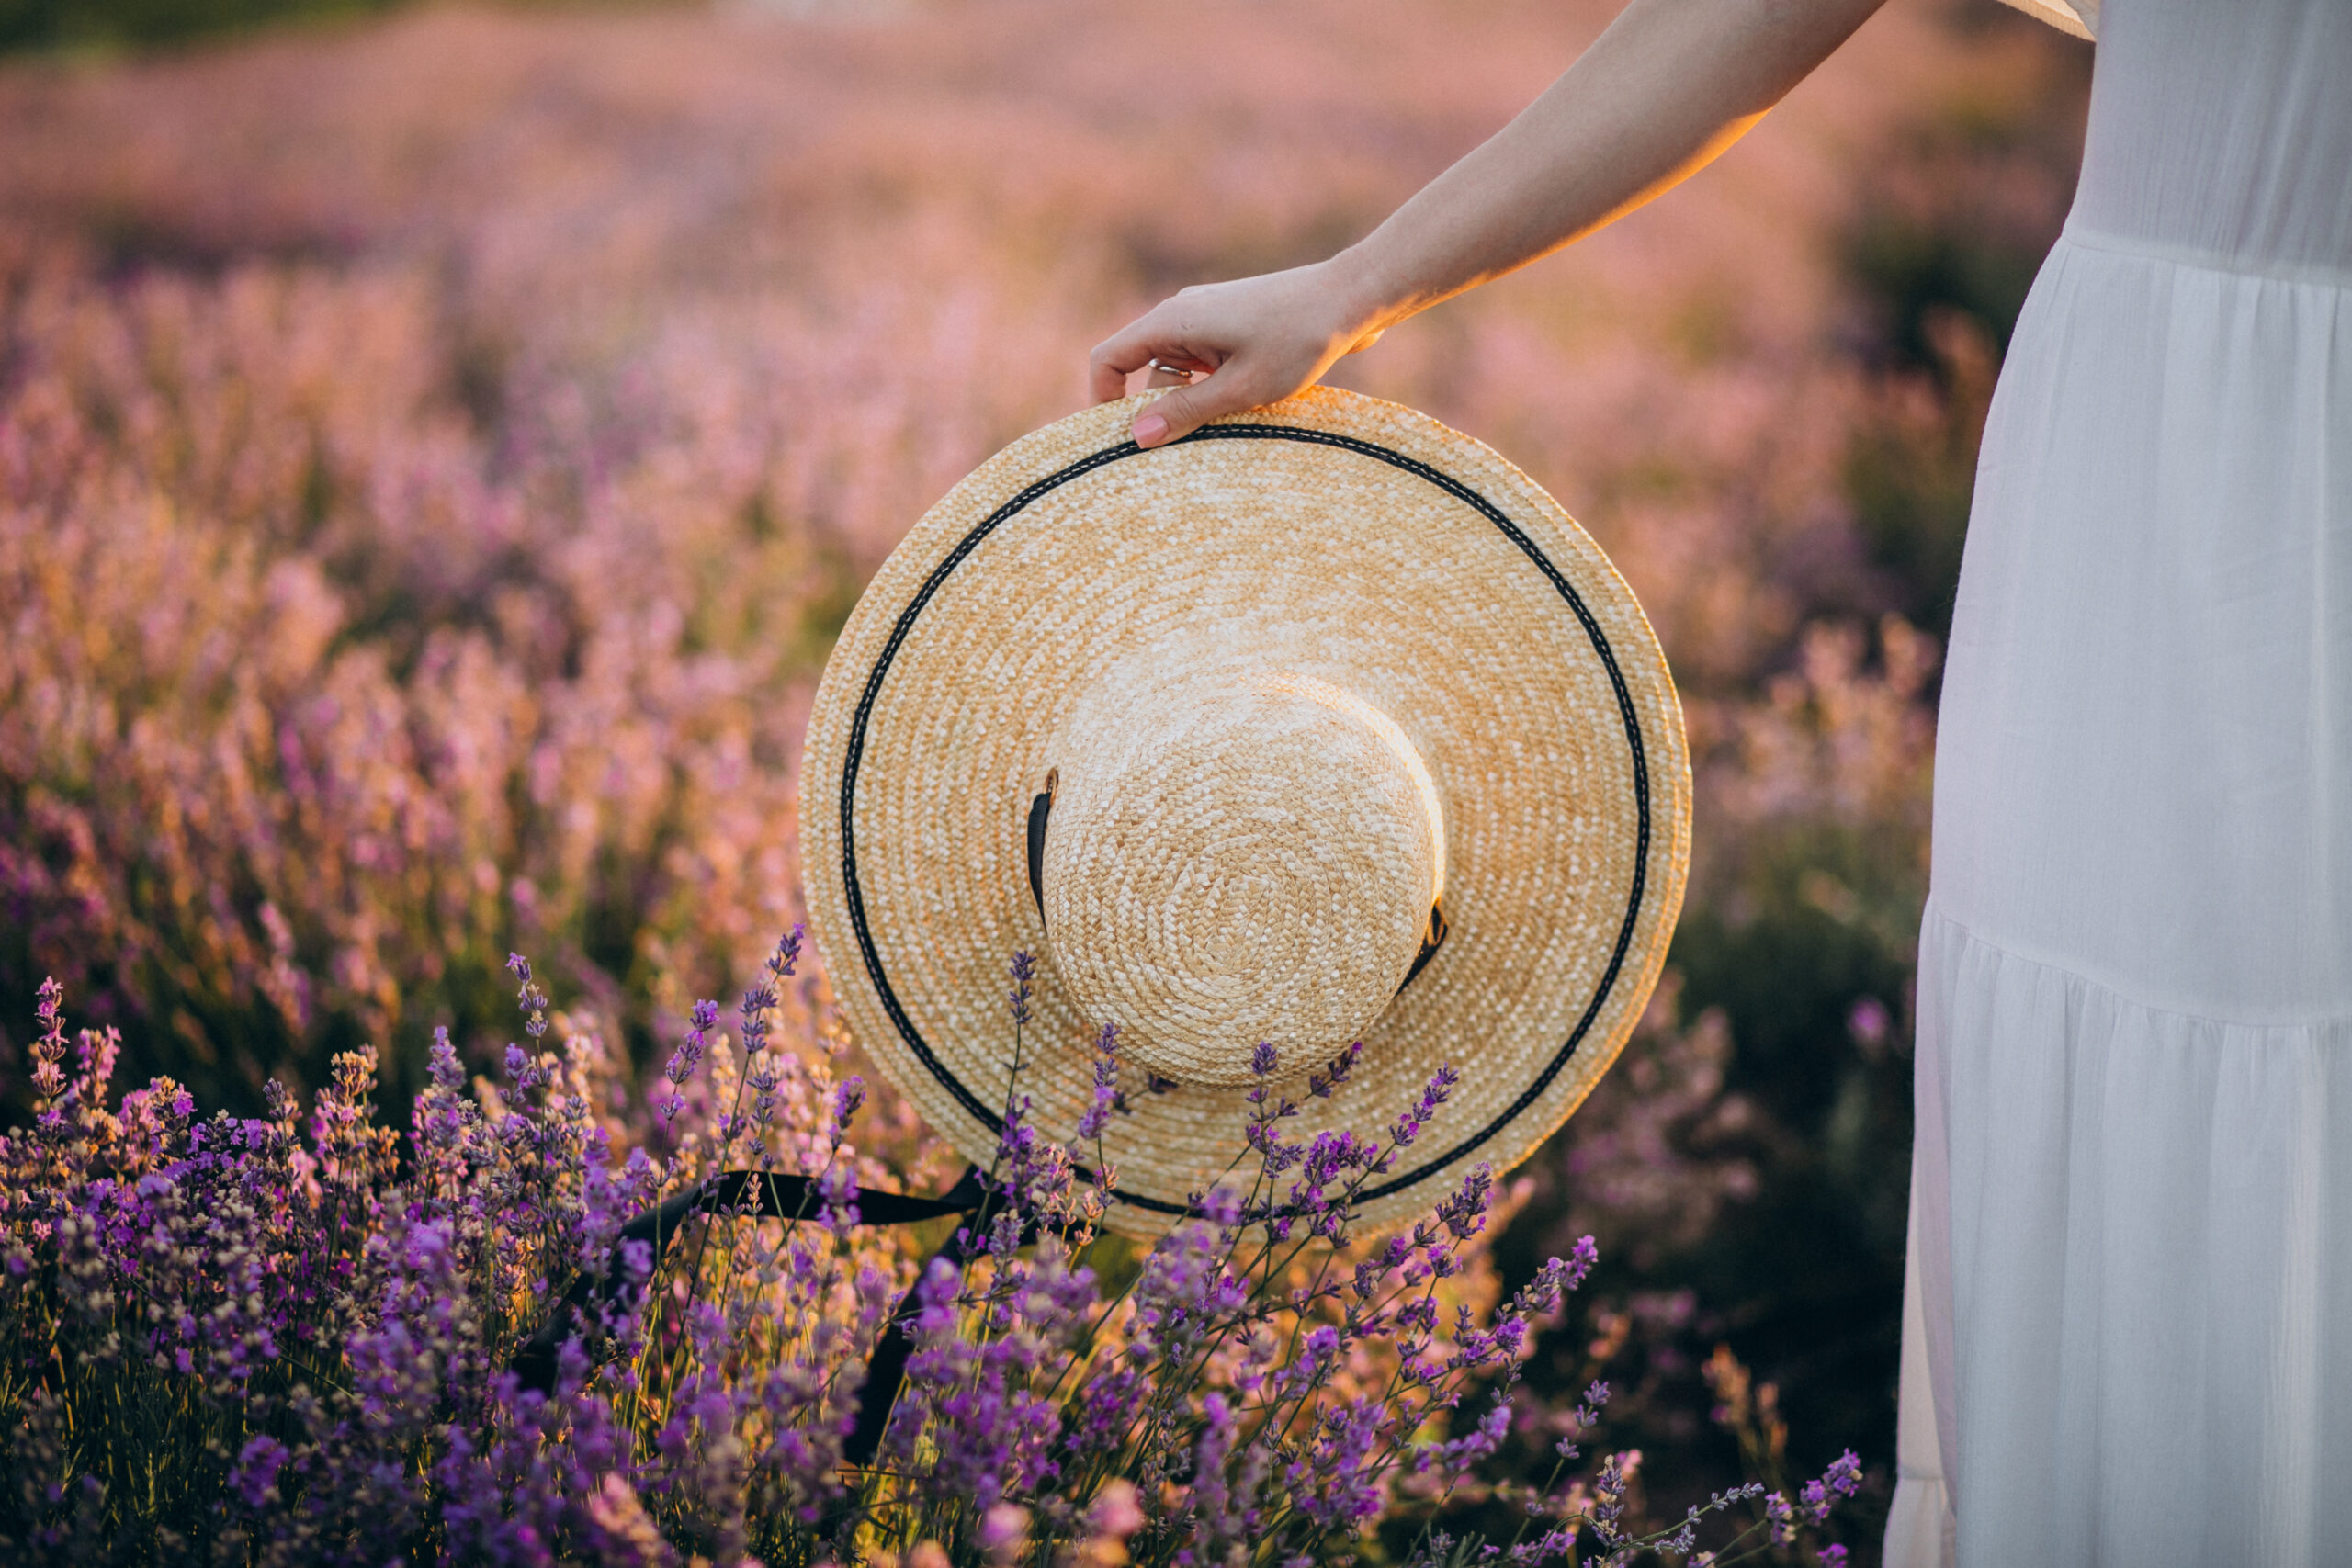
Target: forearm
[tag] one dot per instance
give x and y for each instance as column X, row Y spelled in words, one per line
column 1660, row 93
column 1671, row 83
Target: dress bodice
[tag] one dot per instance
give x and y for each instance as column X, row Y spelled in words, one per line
column 2221, row 132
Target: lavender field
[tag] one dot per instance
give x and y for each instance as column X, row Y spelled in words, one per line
column 436, row 451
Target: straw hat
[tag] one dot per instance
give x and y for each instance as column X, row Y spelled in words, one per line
column 1325, row 724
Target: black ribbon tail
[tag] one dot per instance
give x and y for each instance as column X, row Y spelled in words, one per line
column 770, row 1196
column 1041, row 812
column 885, row 1369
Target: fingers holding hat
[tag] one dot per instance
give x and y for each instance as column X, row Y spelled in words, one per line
column 1146, row 343
column 1258, row 340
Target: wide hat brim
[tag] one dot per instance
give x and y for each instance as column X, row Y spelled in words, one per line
column 1332, row 535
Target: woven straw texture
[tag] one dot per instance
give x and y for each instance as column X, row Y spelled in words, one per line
column 1292, row 678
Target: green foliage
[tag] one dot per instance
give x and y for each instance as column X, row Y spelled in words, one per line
column 139, row 24
column 1809, row 1279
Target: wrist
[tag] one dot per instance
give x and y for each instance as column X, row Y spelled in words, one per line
column 1362, row 300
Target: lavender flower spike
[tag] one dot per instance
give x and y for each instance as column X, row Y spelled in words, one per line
column 1024, row 969
column 788, row 952
column 1097, row 1117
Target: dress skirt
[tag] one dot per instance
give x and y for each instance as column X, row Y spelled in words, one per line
column 2128, row 1322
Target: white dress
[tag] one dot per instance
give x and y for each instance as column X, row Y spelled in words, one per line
column 2131, row 1305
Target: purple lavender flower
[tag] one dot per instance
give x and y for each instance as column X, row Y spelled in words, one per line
column 532, row 999
column 1332, row 1482
column 719, row 1400
column 1464, row 1213
column 49, row 1050
column 837, row 1195
column 1096, row 1119
column 1841, row 1481
column 688, row 1056
column 1221, row 1206
column 1458, row 1454
column 1213, row 1501
column 848, row 1096
column 1869, row 1022
column 1609, row 1489
column 760, row 999
column 1105, row 1410
column 786, row 956
column 753, row 1017
column 1320, row 1084
column 1440, row 1088
column 1024, row 969
column 255, row 1480
column 1582, row 1260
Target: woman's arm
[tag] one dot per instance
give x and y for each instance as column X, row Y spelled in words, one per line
column 1667, row 87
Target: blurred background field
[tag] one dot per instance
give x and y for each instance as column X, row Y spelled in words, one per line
column 437, row 447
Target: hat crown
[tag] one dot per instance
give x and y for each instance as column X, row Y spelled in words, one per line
column 1244, row 857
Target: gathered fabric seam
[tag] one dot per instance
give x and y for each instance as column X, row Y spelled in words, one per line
column 2306, row 275
column 2321, row 1025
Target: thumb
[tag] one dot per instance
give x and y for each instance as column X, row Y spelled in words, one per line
column 1182, row 410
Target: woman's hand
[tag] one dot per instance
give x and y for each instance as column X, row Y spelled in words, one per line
column 1259, row 339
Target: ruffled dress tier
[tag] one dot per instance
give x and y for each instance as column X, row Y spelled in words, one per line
column 2129, row 1313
